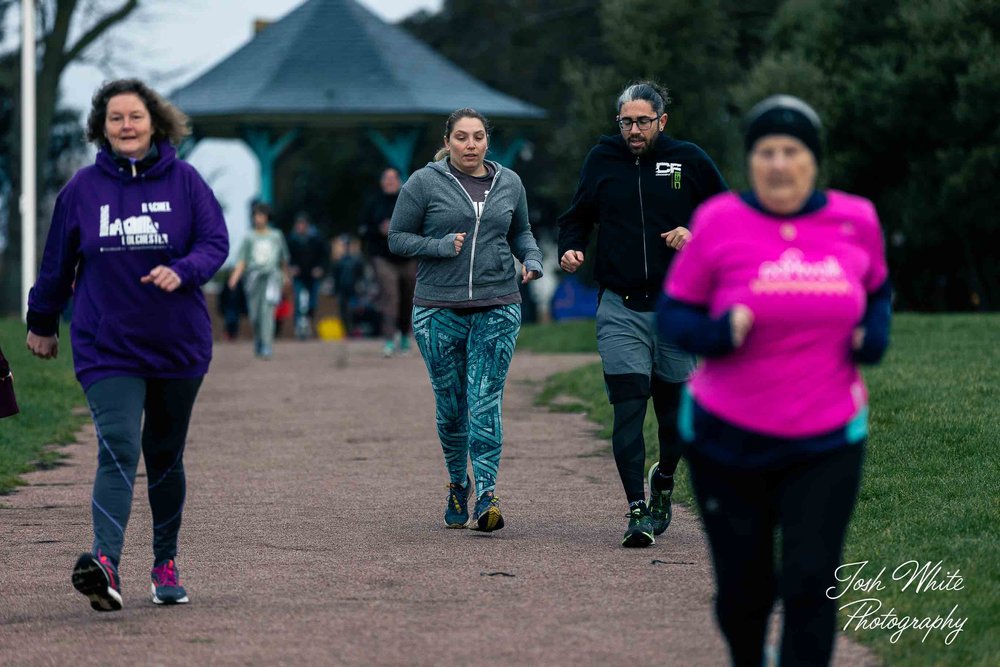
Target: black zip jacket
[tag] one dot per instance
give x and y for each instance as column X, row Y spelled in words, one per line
column 377, row 209
column 633, row 199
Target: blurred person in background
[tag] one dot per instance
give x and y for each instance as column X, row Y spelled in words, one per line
column 347, row 270
column 262, row 263
column 396, row 275
column 306, row 266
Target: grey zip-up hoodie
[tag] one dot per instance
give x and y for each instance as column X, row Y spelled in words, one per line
column 433, row 208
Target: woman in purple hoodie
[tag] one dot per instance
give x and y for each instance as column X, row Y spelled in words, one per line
column 133, row 238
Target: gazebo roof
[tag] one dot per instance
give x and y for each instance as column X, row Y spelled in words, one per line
column 333, row 63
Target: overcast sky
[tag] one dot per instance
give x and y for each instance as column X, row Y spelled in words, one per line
column 170, row 43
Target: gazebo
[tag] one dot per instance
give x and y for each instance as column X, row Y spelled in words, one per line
column 332, row 64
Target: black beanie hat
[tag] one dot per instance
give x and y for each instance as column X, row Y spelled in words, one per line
column 784, row 114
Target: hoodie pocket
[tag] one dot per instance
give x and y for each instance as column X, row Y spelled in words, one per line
column 169, row 338
column 444, row 272
column 496, row 263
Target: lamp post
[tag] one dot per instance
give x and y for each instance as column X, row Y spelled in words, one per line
column 28, row 185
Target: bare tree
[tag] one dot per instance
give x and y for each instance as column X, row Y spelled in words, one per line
column 67, row 29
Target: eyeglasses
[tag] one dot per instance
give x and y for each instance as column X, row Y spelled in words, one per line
column 643, row 123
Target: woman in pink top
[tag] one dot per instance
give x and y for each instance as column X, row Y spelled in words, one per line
column 782, row 290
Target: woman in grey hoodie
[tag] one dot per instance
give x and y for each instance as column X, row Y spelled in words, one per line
column 463, row 217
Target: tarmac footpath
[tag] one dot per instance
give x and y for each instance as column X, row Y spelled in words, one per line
column 313, row 535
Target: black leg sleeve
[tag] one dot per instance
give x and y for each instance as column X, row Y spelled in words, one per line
column 666, row 401
column 630, row 447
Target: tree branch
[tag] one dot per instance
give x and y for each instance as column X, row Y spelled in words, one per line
column 98, row 28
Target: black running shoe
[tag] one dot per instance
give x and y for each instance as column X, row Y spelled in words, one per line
column 96, row 577
column 659, row 502
column 640, row 527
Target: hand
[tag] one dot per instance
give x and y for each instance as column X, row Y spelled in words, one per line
column 740, row 322
column 163, row 277
column 858, row 338
column 317, row 273
column 459, row 240
column 383, row 227
column 571, row 261
column 46, row 347
column 676, row 238
column 527, row 276
column 234, row 277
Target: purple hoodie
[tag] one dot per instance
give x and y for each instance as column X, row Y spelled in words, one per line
column 110, row 227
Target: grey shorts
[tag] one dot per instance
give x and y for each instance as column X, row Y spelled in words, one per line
column 631, row 348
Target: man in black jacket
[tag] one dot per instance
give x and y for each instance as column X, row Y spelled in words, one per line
column 396, row 276
column 640, row 188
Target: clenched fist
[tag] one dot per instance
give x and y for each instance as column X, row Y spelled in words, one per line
column 571, row 260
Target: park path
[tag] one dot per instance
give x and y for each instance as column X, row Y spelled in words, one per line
column 313, row 535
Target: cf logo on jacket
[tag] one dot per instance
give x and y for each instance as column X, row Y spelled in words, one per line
column 667, row 168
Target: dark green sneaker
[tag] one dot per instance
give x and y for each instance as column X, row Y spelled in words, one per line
column 640, row 527
column 456, row 514
column 486, row 517
column 659, row 502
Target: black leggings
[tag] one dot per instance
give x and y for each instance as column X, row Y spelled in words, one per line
column 811, row 501
column 118, row 406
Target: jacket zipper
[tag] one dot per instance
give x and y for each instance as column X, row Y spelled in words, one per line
column 476, row 212
column 642, row 216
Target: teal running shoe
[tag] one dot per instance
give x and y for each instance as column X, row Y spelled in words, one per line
column 659, row 502
column 487, row 517
column 456, row 513
column 640, row 527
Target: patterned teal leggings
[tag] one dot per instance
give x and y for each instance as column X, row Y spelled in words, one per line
column 467, row 357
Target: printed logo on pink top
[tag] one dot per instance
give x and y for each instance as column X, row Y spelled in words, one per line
column 791, row 274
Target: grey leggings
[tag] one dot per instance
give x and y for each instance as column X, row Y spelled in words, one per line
column 260, row 310
column 118, row 405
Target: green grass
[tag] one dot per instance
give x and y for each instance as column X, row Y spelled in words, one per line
column 561, row 337
column 49, row 398
column 931, row 479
